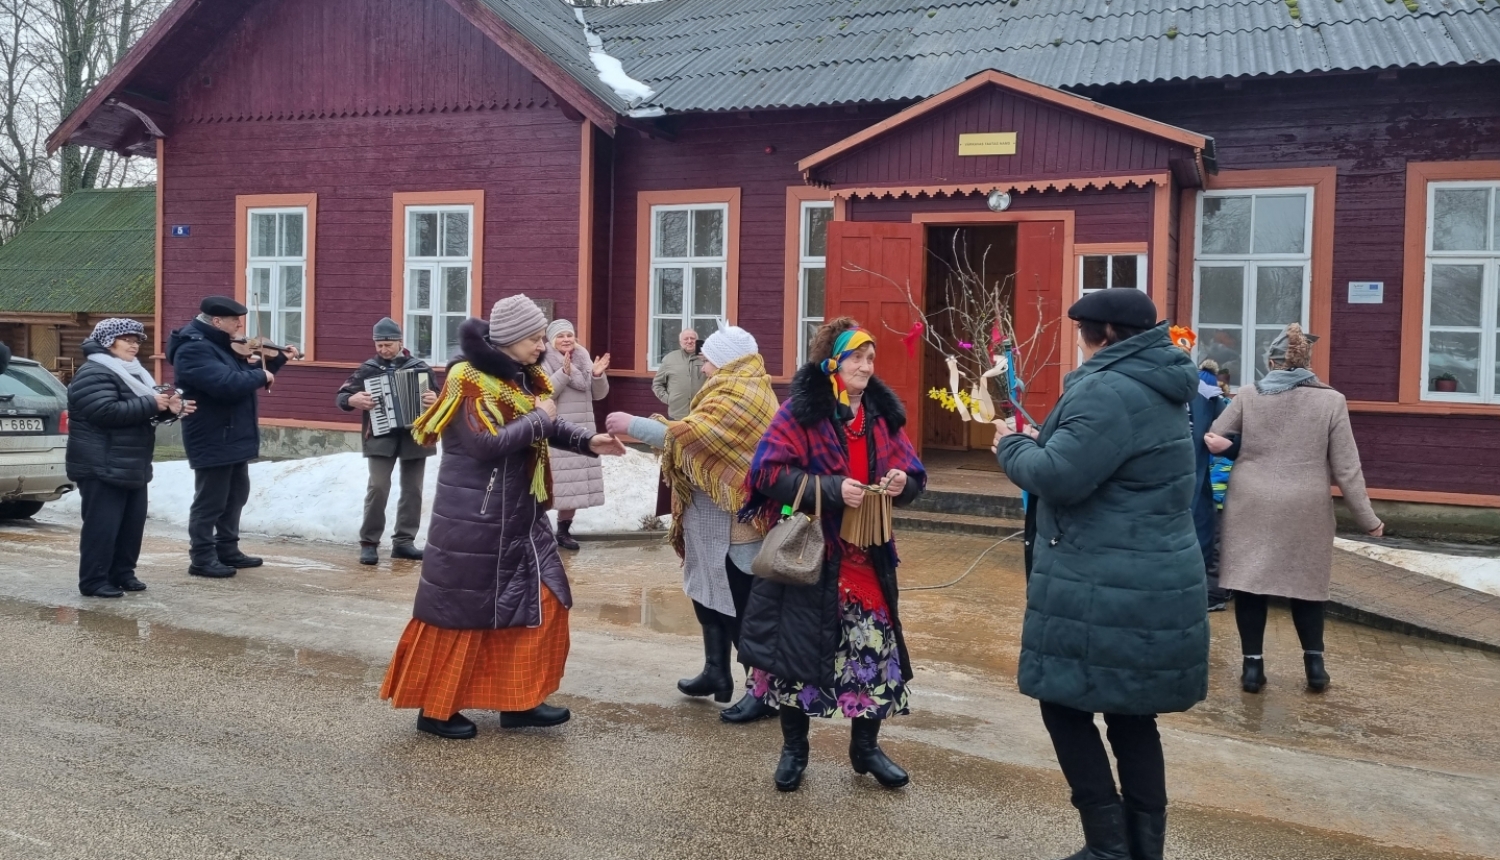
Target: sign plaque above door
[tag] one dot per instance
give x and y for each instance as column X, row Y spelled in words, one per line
column 988, row 143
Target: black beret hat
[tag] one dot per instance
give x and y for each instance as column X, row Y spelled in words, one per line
column 1127, row 307
column 222, row 306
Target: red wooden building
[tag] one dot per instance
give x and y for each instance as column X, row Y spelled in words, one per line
column 656, row 166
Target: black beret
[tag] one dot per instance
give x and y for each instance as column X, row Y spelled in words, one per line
column 1127, row 307
column 222, row 306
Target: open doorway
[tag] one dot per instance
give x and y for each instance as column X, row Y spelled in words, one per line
column 989, row 252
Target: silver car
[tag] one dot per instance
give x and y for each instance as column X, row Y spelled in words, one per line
column 33, row 439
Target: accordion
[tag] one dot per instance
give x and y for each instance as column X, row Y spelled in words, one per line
column 398, row 399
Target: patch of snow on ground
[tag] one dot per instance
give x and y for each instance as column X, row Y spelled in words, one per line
column 322, row 498
column 1476, row 572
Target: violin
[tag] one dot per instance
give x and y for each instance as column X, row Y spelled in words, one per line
column 260, row 346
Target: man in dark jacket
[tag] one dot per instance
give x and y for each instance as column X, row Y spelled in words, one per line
column 223, row 436
column 384, row 450
column 1203, row 409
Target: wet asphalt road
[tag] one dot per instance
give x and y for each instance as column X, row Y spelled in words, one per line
column 239, row 719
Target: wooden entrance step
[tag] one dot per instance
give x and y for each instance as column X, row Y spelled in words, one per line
column 907, row 519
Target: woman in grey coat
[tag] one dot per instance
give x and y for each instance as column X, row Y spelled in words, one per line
column 1278, row 516
column 577, row 382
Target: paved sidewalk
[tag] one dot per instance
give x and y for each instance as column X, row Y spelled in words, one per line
column 1394, row 598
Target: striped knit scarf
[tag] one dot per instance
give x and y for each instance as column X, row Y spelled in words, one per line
column 710, row 449
column 491, row 402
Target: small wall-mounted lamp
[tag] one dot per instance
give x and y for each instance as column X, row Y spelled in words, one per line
column 998, row 201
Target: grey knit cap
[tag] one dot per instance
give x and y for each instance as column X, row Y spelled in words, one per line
column 514, row 318
column 557, row 328
column 387, row 329
column 107, row 330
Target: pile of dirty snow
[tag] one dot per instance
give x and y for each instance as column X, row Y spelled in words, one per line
column 322, row 498
column 1470, row 571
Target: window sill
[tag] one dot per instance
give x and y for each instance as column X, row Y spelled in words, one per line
column 1425, row 407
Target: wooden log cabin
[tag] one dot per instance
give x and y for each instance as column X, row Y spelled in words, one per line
column 656, row 166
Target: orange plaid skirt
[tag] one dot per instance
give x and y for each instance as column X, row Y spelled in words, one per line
column 444, row 671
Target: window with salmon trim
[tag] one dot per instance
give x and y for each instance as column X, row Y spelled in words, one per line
column 1461, row 312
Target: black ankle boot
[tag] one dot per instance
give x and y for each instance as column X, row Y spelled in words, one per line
column 1253, row 677
column 1146, row 832
column 747, row 710
column 715, row 679
column 565, row 535
column 1103, row 834
column 866, row 756
column 1317, row 675
column 794, row 723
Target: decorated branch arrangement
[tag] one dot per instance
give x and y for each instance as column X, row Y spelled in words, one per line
column 989, row 362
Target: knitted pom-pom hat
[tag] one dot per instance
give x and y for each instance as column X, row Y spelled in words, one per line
column 513, row 318
column 1292, row 348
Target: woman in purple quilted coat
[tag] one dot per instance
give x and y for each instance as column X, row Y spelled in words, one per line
column 490, row 625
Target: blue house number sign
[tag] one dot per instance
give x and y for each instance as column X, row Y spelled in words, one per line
column 181, row 231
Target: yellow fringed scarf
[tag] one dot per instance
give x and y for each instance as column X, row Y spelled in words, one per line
column 711, row 449
column 492, row 402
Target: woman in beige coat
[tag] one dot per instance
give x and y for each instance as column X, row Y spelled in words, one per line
column 577, row 481
column 1278, row 514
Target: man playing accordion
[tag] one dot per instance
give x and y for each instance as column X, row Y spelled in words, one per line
column 382, row 450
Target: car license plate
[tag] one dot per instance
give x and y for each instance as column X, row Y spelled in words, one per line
column 20, row 425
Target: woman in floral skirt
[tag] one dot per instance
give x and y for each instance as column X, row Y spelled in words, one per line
column 834, row 648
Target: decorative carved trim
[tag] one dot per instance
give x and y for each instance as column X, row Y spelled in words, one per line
column 1080, row 183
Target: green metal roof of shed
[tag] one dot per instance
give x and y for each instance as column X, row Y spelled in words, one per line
column 94, row 253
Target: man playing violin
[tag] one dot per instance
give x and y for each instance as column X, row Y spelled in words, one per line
column 213, row 365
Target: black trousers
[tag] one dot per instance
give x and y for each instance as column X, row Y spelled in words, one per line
column 739, row 592
column 1080, row 753
column 114, row 518
column 1250, row 618
column 219, row 495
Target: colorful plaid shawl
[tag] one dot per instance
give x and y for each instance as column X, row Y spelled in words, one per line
column 710, row 449
column 819, row 449
column 491, row 402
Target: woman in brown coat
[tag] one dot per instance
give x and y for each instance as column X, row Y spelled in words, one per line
column 1278, row 515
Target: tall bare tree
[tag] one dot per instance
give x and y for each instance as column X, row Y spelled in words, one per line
column 53, row 53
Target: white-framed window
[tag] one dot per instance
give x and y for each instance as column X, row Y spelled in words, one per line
column 1461, row 312
column 276, row 275
column 689, row 273
column 1111, row 271
column 439, row 278
column 1252, row 275
column 812, row 270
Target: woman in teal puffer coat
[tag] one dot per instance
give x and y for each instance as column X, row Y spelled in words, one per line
column 1116, row 619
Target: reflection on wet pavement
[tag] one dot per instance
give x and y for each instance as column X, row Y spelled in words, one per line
column 1389, row 690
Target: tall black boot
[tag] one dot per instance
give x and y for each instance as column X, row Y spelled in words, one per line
column 867, row 757
column 715, row 679
column 1146, row 833
column 1103, row 833
column 794, row 723
column 565, row 535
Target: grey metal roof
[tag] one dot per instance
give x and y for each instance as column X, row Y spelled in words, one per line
column 552, row 26
column 708, row 55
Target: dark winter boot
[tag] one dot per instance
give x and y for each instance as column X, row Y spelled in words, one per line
column 369, row 554
column 794, row 723
column 1317, row 675
column 1146, row 832
column 456, row 728
column 866, row 756
column 565, row 536
column 1103, row 834
column 540, row 717
column 1253, row 677
column 715, row 679
column 407, row 551
column 747, row 710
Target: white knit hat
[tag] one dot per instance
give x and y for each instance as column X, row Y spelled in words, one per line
column 727, row 344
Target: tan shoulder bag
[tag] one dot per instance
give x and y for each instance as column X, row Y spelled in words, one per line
column 792, row 553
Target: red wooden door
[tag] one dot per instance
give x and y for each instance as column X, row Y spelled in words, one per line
column 875, row 274
column 1039, row 312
